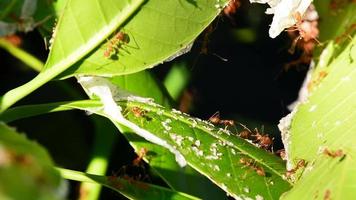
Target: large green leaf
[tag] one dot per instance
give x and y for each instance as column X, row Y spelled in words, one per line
column 159, row 30
column 87, row 24
column 26, row 170
column 163, row 163
column 322, row 129
column 224, row 158
column 326, row 123
column 218, row 154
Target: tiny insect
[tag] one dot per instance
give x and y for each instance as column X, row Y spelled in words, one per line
column 250, row 163
column 136, row 162
column 245, row 134
column 260, row 171
column 14, row 39
column 215, row 119
column 114, row 44
column 231, row 8
column 300, row 164
column 138, row 112
column 307, row 30
column 282, row 153
column 347, row 34
column 334, row 154
column 246, row 162
column 264, row 141
column 312, row 84
column 327, row 195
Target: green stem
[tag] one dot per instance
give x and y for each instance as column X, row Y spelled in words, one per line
column 22, row 55
column 75, row 175
column 14, row 95
column 129, row 188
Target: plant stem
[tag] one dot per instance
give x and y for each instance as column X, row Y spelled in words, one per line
column 22, row 55
column 14, row 95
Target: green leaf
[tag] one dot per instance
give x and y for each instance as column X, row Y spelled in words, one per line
column 159, row 30
column 186, row 180
column 128, row 187
column 229, row 161
column 216, row 153
column 326, row 123
column 88, row 24
column 143, row 84
column 26, row 170
column 221, row 152
column 322, row 128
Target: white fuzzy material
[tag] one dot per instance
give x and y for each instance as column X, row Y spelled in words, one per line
column 284, row 13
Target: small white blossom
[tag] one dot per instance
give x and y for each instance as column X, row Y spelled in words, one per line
column 284, row 13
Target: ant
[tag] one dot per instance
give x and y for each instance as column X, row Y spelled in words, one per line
column 246, row 133
column 317, row 81
column 282, row 153
column 307, row 30
column 231, row 8
column 115, row 43
column 215, row 119
column 14, row 39
column 347, row 34
column 138, row 112
column 264, row 141
column 143, row 152
column 333, row 154
column 327, row 195
column 301, row 163
column 249, row 163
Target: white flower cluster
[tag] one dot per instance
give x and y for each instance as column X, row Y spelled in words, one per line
column 284, row 13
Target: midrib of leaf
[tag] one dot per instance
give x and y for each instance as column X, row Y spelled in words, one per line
column 53, row 67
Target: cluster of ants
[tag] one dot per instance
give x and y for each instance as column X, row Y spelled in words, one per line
column 304, row 35
column 261, row 140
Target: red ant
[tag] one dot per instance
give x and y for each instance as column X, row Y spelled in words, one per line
column 263, row 141
column 349, row 31
column 307, row 30
column 138, row 112
column 215, row 119
column 249, row 163
column 231, row 8
column 282, row 153
column 114, row 44
column 14, row 39
column 334, row 154
column 317, row 81
column 143, row 151
column 301, row 163
column 327, row 195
